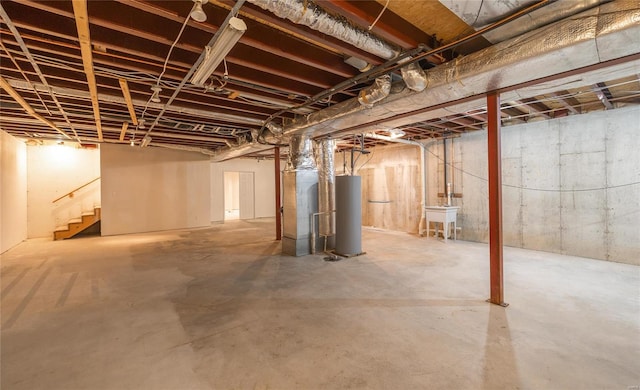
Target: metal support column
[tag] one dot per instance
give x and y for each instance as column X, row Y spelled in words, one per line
column 495, row 199
column 276, row 163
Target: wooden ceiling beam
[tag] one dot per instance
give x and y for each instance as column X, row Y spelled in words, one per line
column 124, row 86
column 537, row 107
column 481, row 116
column 202, row 97
column 82, row 23
column 27, row 107
column 138, row 39
column 567, row 101
column 123, row 132
column 389, row 27
column 308, row 34
column 466, row 122
column 262, row 37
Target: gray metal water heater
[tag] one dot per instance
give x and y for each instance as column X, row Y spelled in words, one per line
column 348, row 215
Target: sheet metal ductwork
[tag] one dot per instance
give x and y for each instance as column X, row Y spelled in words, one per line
column 309, row 14
column 326, row 186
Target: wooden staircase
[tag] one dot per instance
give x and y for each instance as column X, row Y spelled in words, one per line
column 78, row 225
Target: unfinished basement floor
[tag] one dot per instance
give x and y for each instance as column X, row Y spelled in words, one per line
column 220, row 308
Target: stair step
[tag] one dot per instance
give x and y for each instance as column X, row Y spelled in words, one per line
column 77, row 225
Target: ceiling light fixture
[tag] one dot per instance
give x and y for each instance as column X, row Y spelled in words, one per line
column 156, row 93
column 141, row 124
column 197, row 13
column 146, row 140
column 358, row 63
column 215, row 53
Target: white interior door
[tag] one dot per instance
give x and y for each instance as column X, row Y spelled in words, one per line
column 247, row 195
column 231, row 196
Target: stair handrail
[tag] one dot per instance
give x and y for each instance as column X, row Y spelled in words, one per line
column 70, row 193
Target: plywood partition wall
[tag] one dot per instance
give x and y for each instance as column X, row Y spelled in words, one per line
column 390, row 187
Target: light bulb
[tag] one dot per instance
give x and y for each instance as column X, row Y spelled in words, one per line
column 197, row 13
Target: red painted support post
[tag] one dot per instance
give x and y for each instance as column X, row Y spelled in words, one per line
column 276, row 163
column 495, row 199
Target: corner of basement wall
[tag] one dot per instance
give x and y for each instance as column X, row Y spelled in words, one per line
column 13, row 191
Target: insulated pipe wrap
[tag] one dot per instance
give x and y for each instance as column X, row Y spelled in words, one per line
column 414, row 77
column 326, row 186
column 301, row 153
column 309, row 14
column 604, row 33
column 377, row 91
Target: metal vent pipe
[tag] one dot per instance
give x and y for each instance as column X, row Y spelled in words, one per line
column 326, row 186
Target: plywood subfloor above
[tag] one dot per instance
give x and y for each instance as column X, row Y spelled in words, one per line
column 431, row 17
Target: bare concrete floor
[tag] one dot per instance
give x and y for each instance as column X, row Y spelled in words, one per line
column 220, row 308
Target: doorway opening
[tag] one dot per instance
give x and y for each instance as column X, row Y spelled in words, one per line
column 239, row 195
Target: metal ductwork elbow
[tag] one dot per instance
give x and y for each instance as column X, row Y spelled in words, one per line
column 414, row 77
column 276, row 130
column 377, row 91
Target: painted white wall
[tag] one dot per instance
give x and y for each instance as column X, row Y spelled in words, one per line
column 53, row 171
column 152, row 189
column 13, row 191
column 265, row 196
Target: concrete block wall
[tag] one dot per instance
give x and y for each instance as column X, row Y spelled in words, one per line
column 568, row 185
